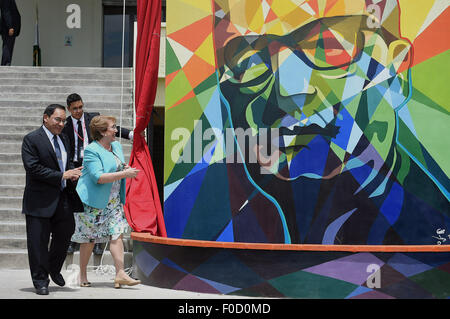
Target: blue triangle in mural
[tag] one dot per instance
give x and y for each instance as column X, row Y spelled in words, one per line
column 227, row 234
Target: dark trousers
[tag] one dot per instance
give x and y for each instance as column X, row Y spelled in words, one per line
column 8, row 47
column 45, row 260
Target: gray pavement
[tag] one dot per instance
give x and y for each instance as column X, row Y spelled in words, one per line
column 17, row 284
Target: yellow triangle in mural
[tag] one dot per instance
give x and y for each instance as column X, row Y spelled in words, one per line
column 257, row 20
column 413, row 16
column 275, row 28
column 282, row 7
column 203, row 5
column 322, row 4
column 181, row 13
column 337, row 9
column 206, row 51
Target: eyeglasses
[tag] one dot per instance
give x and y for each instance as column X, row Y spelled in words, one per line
column 59, row 120
column 325, row 44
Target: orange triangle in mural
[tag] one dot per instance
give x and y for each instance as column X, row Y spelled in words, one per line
column 271, row 16
column 171, row 76
column 434, row 39
column 201, row 29
column 315, row 6
column 197, row 70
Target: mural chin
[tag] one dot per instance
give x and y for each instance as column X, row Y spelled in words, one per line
column 310, row 161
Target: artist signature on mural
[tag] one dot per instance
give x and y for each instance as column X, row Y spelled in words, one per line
column 441, row 234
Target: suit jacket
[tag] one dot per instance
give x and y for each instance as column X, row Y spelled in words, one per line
column 10, row 17
column 43, row 176
column 69, row 130
column 97, row 161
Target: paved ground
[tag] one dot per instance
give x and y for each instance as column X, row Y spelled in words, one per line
column 17, row 284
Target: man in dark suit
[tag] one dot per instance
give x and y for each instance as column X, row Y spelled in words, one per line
column 10, row 28
column 49, row 199
column 77, row 130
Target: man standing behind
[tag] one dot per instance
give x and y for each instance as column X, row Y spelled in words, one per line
column 49, row 199
column 10, row 28
column 77, row 129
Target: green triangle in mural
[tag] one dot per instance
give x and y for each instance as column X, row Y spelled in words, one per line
column 431, row 78
column 172, row 63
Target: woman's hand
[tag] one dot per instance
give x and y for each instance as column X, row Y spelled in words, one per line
column 130, row 172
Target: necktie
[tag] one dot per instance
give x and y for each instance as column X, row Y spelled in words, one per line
column 80, row 141
column 59, row 157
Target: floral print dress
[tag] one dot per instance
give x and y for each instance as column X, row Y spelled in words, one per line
column 100, row 225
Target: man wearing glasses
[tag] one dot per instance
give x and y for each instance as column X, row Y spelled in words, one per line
column 323, row 80
column 49, row 199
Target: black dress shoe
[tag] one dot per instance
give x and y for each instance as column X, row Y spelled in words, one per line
column 58, row 279
column 42, row 291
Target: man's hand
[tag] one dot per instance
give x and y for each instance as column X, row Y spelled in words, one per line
column 73, row 174
column 11, row 32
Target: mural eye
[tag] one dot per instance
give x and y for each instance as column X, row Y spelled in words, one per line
column 249, row 67
column 332, row 43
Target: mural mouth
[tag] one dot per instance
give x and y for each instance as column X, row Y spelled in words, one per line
column 293, row 148
column 296, row 138
column 329, row 130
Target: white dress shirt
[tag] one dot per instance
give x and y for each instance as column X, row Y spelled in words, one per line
column 61, row 146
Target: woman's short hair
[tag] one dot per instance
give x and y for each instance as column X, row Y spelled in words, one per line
column 99, row 124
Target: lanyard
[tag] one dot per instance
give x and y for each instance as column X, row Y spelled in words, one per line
column 83, row 127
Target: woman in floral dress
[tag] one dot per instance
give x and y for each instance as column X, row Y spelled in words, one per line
column 102, row 190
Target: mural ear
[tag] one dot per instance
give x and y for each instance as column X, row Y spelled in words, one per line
column 400, row 55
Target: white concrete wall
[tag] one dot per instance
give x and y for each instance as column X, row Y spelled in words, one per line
column 86, row 49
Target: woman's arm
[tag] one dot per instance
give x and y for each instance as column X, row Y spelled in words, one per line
column 94, row 169
column 129, row 172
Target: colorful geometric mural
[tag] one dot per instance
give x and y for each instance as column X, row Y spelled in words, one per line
column 295, row 121
column 294, row 274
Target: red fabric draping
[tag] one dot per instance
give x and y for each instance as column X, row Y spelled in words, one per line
column 143, row 208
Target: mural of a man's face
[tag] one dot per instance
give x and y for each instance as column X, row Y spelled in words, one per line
column 325, row 74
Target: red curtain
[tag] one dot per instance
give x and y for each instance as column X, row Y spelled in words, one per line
column 143, row 208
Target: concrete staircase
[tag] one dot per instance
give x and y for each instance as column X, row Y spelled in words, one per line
column 24, row 94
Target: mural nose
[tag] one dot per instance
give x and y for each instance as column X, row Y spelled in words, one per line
column 294, row 75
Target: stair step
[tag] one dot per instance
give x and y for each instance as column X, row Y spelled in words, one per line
column 8, row 96
column 61, row 76
column 7, row 201
column 10, row 147
column 13, row 241
column 14, row 168
column 13, row 179
column 64, row 69
column 11, row 190
column 28, row 89
column 127, row 112
column 72, row 83
column 13, row 227
column 10, row 157
column 11, row 214
column 13, row 258
column 40, row 105
column 12, row 137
